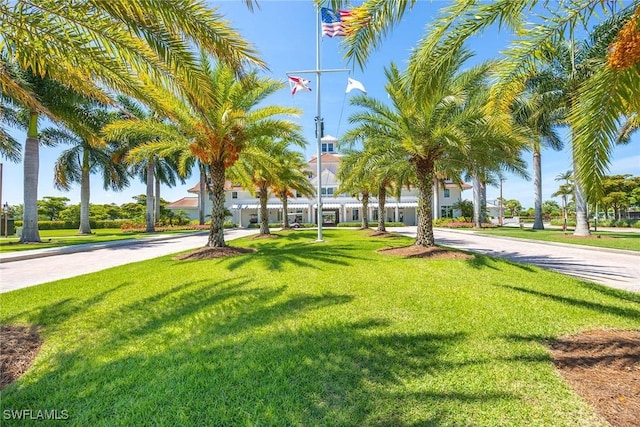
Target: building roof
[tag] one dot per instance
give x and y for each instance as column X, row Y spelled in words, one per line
column 184, row 203
column 227, row 186
column 326, row 157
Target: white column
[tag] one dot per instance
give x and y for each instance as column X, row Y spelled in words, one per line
column 344, row 213
column 396, row 213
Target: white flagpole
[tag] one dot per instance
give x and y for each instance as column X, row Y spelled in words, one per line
column 318, row 127
column 318, row 119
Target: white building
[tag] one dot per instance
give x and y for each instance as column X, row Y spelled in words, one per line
column 335, row 207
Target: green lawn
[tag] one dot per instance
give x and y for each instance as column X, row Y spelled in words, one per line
column 56, row 238
column 602, row 239
column 309, row 334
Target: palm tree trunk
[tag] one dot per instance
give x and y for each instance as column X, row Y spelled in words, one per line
column 85, row 194
column 424, row 175
column 30, row 231
column 264, row 215
column 157, row 200
column 216, row 232
column 477, row 207
column 285, row 209
column 582, row 221
column 483, row 203
column 201, row 194
column 150, row 225
column 537, row 190
column 365, row 210
column 382, row 199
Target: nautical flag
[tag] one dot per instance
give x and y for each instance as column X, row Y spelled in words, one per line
column 332, row 22
column 354, row 84
column 298, row 83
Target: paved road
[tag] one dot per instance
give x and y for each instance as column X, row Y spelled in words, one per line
column 618, row 269
column 70, row 261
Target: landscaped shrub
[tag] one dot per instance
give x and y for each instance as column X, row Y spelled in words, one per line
column 351, row 224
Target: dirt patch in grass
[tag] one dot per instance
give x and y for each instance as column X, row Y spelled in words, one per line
column 604, row 368
column 591, row 237
column 19, row 346
column 212, row 253
column 383, row 234
column 432, row 252
column 265, row 236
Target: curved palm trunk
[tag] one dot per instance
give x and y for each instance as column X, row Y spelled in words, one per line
column 424, row 175
column 264, row 215
column 382, row 199
column 537, row 190
column 216, row 232
column 85, row 194
column 365, row 210
column 285, row 209
column 150, row 225
column 30, row 231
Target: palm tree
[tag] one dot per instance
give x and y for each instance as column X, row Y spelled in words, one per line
column 76, row 164
column 124, row 46
column 611, row 91
column 564, row 191
column 214, row 124
column 260, row 167
column 292, row 182
column 136, row 127
column 355, row 179
column 539, row 111
column 431, row 129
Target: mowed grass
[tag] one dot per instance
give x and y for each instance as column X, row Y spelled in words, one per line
column 57, row 238
column 603, row 239
column 308, row 334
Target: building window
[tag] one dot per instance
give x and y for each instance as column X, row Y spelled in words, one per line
column 324, row 148
column 446, row 212
column 298, row 195
column 375, row 214
column 447, row 193
column 355, row 215
column 327, row 191
column 234, row 194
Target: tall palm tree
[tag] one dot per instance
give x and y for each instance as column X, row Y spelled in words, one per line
column 539, row 111
column 137, row 126
column 124, row 46
column 611, row 91
column 77, row 163
column 430, row 129
column 214, row 125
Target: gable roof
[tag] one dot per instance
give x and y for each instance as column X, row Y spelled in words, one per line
column 184, row 203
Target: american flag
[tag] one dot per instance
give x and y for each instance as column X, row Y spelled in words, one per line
column 332, row 22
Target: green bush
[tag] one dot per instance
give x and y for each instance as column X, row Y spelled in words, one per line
column 350, row 224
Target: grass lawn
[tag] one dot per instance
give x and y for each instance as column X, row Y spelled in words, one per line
column 305, row 333
column 603, row 239
column 56, row 238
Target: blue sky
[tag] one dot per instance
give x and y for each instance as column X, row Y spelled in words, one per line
column 284, row 32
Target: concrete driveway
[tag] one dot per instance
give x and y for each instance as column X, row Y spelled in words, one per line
column 21, row 269
column 614, row 268
column 617, row 269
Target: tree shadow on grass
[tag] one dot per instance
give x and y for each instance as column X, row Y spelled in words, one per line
column 276, row 257
column 625, row 312
column 230, row 353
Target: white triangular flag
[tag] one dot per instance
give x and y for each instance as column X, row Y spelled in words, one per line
column 354, row 84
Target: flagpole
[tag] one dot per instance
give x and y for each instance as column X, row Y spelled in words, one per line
column 318, row 119
column 318, row 127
